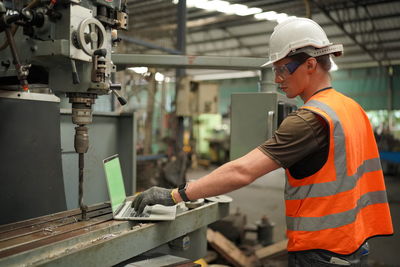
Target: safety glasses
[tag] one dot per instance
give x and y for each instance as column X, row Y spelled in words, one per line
column 284, row 70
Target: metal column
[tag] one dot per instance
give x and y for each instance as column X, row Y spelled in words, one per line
column 180, row 72
column 265, row 84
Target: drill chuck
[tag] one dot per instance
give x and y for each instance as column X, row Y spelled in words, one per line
column 81, row 142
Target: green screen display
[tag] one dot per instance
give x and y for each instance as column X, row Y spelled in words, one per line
column 116, row 188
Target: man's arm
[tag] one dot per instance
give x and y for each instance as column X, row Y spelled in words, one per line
column 230, row 176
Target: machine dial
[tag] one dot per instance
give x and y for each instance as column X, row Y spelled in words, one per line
column 91, row 35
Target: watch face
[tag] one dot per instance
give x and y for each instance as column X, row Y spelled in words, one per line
column 220, row 199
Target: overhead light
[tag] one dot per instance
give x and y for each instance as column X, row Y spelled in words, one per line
column 221, row 6
column 189, row 3
column 139, row 70
column 270, row 15
column 236, row 8
column 213, row 5
column 249, row 11
column 159, row 77
column 202, row 4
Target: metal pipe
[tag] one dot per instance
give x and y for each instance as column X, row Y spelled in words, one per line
column 181, row 33
column 266, row 85
column 390, row 96
column 148, row 45
column 11, row 41
column 180, row 72
column 390, row 88
column 308, row 8
column 192, row 62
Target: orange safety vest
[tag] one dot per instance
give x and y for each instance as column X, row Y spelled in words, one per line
column 345, row 202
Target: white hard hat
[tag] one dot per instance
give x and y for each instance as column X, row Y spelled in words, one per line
column 296, row 35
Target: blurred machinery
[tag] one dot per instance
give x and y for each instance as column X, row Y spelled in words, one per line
column 262, row 112
column 49, row 48
column 57, row 46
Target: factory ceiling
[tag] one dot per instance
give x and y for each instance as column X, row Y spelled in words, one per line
column 368, row 29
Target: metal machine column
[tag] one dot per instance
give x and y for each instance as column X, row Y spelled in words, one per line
column 31, row 182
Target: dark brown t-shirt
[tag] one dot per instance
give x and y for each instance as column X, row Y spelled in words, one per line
column 300, row 144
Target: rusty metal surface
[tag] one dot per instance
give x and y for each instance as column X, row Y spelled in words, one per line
column 47, row 218
column 60, row 239
column 30, row 234
column 47, row 223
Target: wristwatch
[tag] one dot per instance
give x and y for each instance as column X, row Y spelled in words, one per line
column 182, row 192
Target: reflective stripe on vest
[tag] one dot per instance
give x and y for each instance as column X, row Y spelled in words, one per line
column 342, row 183
column 335, row 220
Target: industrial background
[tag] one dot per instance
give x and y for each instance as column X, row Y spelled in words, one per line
column 162, row 83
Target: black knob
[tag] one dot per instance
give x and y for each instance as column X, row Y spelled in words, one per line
column 100, row 52
column 122, row 100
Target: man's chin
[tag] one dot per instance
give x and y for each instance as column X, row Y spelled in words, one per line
column 288, row 95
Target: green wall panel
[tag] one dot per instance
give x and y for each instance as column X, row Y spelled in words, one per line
column 369, row 86
column 228, row 87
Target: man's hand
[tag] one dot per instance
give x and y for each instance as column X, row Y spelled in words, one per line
column 152, row 196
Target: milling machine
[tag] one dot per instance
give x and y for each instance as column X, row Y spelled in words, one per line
column 65, row 46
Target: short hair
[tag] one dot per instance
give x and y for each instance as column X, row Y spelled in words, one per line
column 324, row 61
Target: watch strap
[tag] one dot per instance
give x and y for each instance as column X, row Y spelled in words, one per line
column 182, row 192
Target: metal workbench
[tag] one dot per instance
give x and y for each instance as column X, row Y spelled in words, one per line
column 62, row 240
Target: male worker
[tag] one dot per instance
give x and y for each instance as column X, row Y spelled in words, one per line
column 335, row 194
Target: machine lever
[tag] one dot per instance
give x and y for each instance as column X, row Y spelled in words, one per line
column 120, row 98
column 22, row 70
column 75, row 76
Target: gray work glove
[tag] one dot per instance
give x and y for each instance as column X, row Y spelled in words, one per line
column 152, row 196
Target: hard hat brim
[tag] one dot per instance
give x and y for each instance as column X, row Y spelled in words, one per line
column 268, row 64
column 334, row 49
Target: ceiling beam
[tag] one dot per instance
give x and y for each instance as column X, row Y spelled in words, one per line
column 341, row 26
column 251, row 47
column 266, row 34
column 338, row 5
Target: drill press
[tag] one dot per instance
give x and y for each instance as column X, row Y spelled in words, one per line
column 66, row 45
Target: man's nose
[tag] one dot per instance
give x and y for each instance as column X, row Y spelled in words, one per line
column 278, row 78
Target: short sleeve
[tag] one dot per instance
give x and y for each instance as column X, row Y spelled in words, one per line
column 301, row 134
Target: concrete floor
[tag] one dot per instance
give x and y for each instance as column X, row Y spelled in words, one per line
column 265, row 197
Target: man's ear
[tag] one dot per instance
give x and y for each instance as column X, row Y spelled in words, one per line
column 311, row 64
